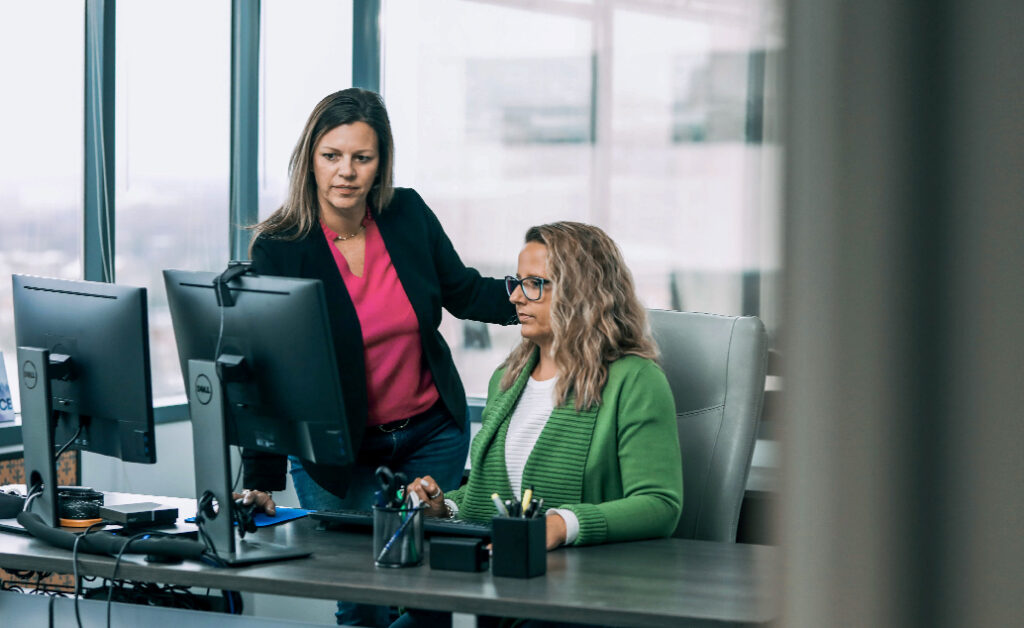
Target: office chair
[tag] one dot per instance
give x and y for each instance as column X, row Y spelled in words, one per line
column 716, row 368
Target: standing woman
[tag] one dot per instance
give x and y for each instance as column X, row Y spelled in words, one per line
column 387, row 269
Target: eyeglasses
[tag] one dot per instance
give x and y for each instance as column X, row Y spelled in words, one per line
column 533, row 287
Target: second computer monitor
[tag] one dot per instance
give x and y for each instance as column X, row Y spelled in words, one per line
column 284, row 397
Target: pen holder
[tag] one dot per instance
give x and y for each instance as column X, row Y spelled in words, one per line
column 397, row 536
column 520, row 547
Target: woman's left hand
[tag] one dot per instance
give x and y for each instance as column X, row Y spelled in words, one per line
column 555, row 530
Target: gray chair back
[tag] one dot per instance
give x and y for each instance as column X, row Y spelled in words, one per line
column 716, row 368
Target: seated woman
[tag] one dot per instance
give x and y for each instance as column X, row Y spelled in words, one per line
column 579, row 411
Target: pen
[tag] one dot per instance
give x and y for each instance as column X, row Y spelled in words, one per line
column 500, row 506
column 540, row 503
column 527, row 499
column 394, row 537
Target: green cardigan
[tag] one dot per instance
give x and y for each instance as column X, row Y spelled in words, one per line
column 616, row 466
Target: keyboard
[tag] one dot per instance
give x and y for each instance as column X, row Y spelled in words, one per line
column 362, row 520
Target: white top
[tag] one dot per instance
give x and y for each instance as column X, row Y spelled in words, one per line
column 528, row 419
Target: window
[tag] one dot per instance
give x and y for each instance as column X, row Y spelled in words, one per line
column 650, row 120
column 689, row 153
column 305, row 54
column 173, row 156
column 493, row 121
column 41, row 164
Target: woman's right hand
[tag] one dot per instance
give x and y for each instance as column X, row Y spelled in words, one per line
column 430, row 494
column 263, row 501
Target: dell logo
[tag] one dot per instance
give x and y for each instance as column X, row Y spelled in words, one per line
column 29, row 375
column 203, row 389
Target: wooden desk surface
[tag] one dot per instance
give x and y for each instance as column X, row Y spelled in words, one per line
column 668, row 582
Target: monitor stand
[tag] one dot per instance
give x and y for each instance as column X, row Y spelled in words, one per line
column 213, row 470
column 37, row 427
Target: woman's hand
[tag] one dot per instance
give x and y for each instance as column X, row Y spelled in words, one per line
column 430, row 494
column 263, row 501
column 555, row 530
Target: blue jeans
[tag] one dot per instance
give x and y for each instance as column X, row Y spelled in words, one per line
column 430, row 444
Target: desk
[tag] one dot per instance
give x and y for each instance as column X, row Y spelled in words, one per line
column 669, row 582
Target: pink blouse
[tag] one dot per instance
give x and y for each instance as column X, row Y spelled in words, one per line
column 399, row 384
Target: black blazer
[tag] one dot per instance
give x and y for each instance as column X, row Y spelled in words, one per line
column 433, row 277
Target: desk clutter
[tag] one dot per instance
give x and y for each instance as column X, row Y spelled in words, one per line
column 519, row 549
column 397, row 522
column 519, row 534
column 732, row 578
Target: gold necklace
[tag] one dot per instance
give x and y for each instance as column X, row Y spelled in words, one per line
column 341, row 238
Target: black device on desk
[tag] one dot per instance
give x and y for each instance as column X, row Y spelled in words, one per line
column 139, row 514
column 83, row 363
column 260, row 372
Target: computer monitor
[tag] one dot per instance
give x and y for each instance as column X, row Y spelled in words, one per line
column 84, row 372
column 260, row 372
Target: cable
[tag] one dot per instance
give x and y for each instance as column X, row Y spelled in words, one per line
column 117, row 563
column 68, row 444
column 34, row 494
column 238, row 472
column 74, row 565
column 230, row 415
column 220, row 334
column 206, row 505
column 108, row 545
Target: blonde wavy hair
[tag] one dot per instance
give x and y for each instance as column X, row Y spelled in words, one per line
column 300, row 211
column 596, row 317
